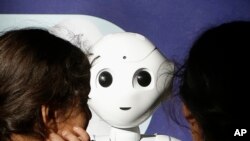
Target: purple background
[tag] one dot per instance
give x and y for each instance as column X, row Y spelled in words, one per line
column 171, row 25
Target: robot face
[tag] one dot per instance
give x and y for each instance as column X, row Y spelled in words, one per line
column 128, row 77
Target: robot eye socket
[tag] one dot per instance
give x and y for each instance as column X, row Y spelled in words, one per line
column 105, row 79
column 142, row 77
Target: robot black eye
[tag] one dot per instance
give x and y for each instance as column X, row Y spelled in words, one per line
column 143, row 78
column 105, row 79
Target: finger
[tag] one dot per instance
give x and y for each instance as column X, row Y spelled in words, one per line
column 55, row 137
column 83, row 135
column 70, row 136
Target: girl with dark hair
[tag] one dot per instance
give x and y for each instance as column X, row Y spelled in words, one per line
column 44, row 87
column 213, row 88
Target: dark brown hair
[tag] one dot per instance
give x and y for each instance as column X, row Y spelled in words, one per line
column 38, row 68
column 213, row 85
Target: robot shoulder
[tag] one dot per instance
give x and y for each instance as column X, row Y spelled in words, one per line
column 159, row 138
column 165, row 138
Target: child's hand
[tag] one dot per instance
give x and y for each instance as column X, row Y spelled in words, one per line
column 79, row 135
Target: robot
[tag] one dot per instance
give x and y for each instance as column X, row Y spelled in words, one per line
column 129, row 78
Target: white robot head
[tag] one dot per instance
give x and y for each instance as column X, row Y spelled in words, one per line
column 128, row 77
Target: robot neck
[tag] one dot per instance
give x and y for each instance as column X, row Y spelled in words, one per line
column 125, row 134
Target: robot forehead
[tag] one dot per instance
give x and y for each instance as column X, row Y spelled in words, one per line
column 125, row 46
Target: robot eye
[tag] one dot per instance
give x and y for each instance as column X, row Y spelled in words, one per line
column 105, row 79
column 142, row 77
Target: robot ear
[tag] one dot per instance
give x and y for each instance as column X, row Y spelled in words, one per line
column 165, row 77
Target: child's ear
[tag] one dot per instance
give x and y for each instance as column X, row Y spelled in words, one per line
column 49, row 123
column 193, row 123
column 45, row 113
column 187, row 114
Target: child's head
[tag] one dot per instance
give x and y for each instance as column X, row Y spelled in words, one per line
column 44, row 84
column 213, row 88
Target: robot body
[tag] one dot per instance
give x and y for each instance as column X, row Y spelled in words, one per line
column 131, row 134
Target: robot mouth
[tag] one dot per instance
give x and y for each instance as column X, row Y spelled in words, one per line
column 125, row 108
